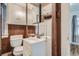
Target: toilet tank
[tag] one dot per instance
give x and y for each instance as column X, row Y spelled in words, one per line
column 16, row 40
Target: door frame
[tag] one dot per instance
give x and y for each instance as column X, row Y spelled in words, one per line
column 56, row 29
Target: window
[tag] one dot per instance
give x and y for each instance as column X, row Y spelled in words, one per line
column 74, row 9
column 75, row 22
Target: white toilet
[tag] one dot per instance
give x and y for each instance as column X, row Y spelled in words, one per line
column 16, row 41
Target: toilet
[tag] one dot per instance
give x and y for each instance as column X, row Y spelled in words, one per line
column 16, row 41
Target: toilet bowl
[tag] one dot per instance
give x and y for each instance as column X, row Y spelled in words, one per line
column 16, row 41
column 18, row 51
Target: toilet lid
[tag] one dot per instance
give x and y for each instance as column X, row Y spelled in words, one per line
column 17, row 49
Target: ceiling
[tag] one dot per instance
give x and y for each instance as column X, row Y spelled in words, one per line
column 37, row 4
column 21, row 5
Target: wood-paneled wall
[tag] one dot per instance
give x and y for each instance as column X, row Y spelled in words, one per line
column 15, row 30
column 5, row 45
column 21, row 30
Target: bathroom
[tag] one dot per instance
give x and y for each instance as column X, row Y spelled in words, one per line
column 39, row 29
column 26, row 29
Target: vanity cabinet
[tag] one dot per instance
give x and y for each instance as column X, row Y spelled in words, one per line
column 36, row 47
column 47, row 9
column 16, row 14
column 32, row 12
column 31, row 19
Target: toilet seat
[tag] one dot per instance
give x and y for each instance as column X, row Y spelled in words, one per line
column 18, row 50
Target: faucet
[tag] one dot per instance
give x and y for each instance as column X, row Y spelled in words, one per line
column 39, row 35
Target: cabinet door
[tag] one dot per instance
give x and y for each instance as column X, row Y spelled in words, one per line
column 9, row 13
column 32, row 13
column 17, row 14
column 30, row 19
column 27, row 50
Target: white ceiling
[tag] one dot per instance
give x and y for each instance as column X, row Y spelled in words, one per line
column 34, row 4
column 21, row 4
column 37, row 4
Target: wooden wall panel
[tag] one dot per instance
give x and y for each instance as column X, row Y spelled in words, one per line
column 5, row 42
column 21, row 30
column 15, row 30
column 31, row 30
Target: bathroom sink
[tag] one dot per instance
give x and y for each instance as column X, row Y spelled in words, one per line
column 45, row 37
column 33, row 40
column 34, row 46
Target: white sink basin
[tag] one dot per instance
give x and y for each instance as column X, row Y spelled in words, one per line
column 34, row 46
column 45, row 37
column 33, row 40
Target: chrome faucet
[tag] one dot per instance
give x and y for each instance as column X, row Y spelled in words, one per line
column 39, row 35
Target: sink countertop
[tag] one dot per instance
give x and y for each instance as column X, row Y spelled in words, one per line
column 33, row 40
